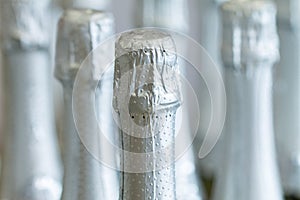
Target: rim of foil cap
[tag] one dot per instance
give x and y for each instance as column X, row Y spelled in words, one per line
column 144, row 39
column 153, row 54
column 288, row 13
column 79, row 32
column 249, row 33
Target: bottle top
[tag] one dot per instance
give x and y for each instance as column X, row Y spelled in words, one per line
column 249, row 33
column 146, row 71
column 79, row 32
column 24, row 24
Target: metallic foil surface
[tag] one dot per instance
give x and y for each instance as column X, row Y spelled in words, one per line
column 249, row 33
column 174, row 15
column 146, row 97
column 26, row 24
column 250, row 167
column 287, row 96
column 31, row 167
column 79, row 32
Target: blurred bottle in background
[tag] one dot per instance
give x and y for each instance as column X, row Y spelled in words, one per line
column 287, row 96
column 31, row 167
column 249, row 52
column 57, row 10
column 85, row 177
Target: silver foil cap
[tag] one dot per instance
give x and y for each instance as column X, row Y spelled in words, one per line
column 146, row 67
column 23, row 24
column 288, row 13
column 79, row 32
column 146, row 98
column 249, row 33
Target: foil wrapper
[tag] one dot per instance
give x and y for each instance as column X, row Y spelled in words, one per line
column 25, row 24
column 250, row 166
column 31, row 167
column 287, row 96
column 146, row 97
column 79, row 32
column 77, row 36
column 249, row 33
column 174, row 15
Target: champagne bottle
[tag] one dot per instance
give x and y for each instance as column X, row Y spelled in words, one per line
column 79, row 32
column 249, row 51
column 146, row 97
column 287, row 97
column 31, row 168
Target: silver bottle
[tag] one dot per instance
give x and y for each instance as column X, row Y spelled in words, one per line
column 287, row 96
column 174, row 15
column 31, row 167
column 146, row 97
column 249, row 51
column 79, row 32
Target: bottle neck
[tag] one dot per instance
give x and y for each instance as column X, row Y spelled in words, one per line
column 30, row 131
column 249, row 155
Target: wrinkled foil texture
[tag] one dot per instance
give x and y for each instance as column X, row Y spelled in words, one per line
column 30, row 161
column 146, row 97
column 26, row 24
column 79, row 32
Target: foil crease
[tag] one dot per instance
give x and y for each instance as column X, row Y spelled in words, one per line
column 146, row 75
column 25, row 24
column 287, row 84
column 81, row 31
column 249, row 33
column 174, row 15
